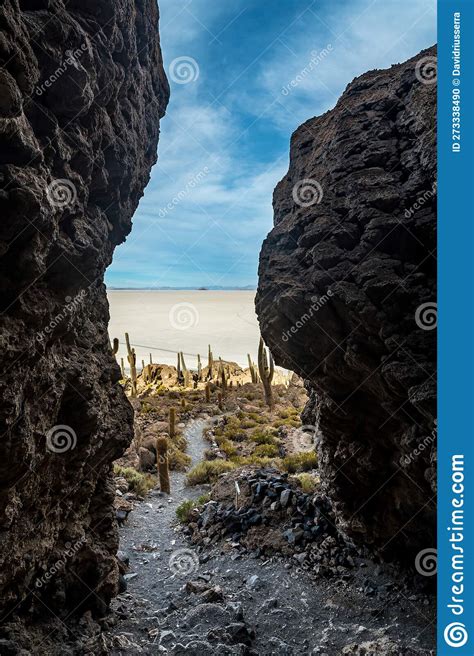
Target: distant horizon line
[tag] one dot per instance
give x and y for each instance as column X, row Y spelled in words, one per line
column 184, row 288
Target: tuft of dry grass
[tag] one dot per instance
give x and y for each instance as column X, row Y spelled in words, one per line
column 300, row 462
column 177, row 460
column 186, row 510
column 208, row 471
column 307, row 482
column 138, row 483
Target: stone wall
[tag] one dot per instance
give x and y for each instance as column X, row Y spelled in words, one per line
column 82, row 91
column 347, row 287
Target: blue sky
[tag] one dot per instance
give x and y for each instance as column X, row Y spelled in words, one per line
column 225, row 139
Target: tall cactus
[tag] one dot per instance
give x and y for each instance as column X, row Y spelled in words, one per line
column 162, row 458
column 199, row 373
column 210, row 363
column 186, row 374
column 132, row 360
column 122, row 368
column 222, row 375
column 253, row 372
column 266, row 372
column 178, row 369
column 172, row 423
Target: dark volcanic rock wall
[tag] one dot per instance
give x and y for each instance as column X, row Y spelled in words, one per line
column 344, row 278
column 82, row 89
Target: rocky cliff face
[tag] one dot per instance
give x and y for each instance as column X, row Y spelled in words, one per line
column 82, row 90
column 346, row 299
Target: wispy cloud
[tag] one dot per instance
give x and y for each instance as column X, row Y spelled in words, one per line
column 224, row 141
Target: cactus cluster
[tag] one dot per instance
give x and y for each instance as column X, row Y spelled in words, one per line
column 219, row 374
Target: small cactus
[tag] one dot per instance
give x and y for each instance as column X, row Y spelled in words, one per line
column 162, row 462
column 183, row 403
column 178, row 369
column 115, row 346
column 122, row 368
column 172, row 422
column 208, row 393
column 266, row 371
column 219, row 400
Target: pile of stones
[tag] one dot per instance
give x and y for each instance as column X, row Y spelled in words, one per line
column 266, row 502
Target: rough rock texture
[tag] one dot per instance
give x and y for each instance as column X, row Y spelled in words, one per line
column 342, row 275
column 82, row 89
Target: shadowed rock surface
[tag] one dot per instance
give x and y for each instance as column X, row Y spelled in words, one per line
column 341, row 280
column 82, row 90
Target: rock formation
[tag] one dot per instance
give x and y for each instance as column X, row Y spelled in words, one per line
column 346, row 299
column 82, row 91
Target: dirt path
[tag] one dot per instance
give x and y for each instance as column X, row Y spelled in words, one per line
column 184, row 600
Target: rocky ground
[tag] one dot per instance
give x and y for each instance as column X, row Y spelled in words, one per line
column 255, row 568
